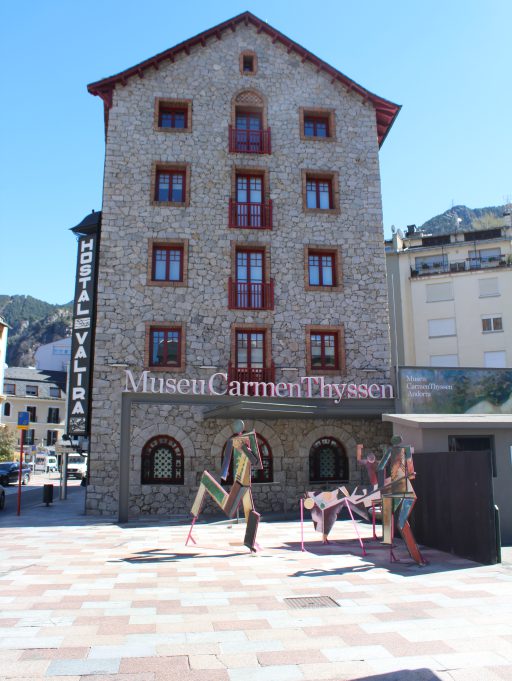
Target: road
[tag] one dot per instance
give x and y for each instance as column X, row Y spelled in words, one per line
column 31, row 494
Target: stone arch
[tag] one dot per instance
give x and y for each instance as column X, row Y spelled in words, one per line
column 340, row 434
column 249, row 99
column 161, row 426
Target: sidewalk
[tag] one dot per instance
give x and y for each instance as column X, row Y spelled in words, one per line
column 85, row 599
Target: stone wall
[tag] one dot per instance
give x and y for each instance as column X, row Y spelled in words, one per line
column 210, row 77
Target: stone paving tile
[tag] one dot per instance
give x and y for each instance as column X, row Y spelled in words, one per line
column 338, row 671
column 276, row 673
column 82, row 667
column 205, row 662
column 55, row 653
column 291, row 657
column 176, row 665
column 237, row 660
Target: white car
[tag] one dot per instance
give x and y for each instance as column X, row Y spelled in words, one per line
column 77, row 466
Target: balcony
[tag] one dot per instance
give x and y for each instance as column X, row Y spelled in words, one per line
column 250, row 215
column 248, row 374
column 467, row 265
column 250, row 296
column 249, row 141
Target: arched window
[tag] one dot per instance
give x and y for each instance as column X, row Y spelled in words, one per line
column 328, row 461
column 249, row 132
column 267, row 472
column 7, row 409
column 162, row 461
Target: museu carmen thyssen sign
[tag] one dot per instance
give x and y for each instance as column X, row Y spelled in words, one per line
column 218, row 385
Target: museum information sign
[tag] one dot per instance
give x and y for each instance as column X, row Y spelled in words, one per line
column 428, row 390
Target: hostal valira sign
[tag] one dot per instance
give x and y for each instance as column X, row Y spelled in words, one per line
column 82, row 339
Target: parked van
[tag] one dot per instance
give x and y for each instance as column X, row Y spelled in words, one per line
column 46, row 463
column 77, row 465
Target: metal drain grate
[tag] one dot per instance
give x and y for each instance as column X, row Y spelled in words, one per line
column 311, row 602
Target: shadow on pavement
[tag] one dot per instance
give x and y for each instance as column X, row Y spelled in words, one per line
column 160, row 556
column 403, row 675
column 377, row 556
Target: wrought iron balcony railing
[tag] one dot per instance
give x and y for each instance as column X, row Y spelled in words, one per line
column 466, row 265
column 250, row 296
column 248, row 374
column 250, row 215
column 249, row 141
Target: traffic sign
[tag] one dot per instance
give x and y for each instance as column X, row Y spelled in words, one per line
column 23, row 419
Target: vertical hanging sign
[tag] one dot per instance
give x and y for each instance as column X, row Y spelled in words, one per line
column 82, row 339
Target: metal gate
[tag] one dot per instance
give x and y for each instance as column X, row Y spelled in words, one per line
column 455, row 511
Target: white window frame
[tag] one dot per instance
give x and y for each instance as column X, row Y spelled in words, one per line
column 490, row 294
column 455, row 363
column 445, row 327
column 432, row 287
column 492, row 318
column 502, row 353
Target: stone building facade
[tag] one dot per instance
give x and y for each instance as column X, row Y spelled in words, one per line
column 241, row 234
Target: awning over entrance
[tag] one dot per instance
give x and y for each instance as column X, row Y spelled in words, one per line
column 438, row 421
column 294, row 408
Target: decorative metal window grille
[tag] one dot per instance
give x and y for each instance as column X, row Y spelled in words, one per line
column 328, row 461
column 162, row 461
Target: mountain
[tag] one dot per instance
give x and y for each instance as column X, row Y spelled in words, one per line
column 470, row 219
column 32, row 323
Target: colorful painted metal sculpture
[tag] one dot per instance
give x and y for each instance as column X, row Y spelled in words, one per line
column 392, row 487
column 243, row 448
column 398, row 496
column 325, row 508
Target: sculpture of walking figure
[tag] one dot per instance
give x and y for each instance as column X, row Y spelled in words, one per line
column 398, row 496
column 243, row 448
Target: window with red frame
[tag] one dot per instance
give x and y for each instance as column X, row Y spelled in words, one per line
column 324, row 350
column 249, row 201
column 250, row 349
column 258, row 476
column 249, row 278
column 165, row 347
column 316, row 126
column 170, row 186
column 248, row 63
column 172, row 117
column 319, row 193
column 162, row 461
column 167, row 263
column 321, row 268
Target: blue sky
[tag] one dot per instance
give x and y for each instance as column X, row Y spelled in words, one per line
column 448, row 63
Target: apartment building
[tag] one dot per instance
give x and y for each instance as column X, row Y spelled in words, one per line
column 40, row 393
column 241, row 273
column 450, row 298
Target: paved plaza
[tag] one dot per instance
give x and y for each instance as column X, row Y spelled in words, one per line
column 83, row 598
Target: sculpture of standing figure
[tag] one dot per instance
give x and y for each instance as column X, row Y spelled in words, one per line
column 398, row 496
column 243, row 448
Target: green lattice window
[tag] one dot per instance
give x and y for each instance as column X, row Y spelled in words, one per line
column 328, row 461
column 162, row 461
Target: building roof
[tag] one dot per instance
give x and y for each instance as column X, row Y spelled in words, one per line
column 386, row 111
column 89, row 225
column 31, row 375
column 435, row 421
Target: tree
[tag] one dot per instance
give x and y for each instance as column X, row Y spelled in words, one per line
column 7, row 444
